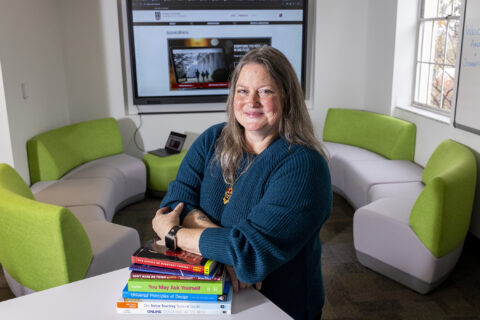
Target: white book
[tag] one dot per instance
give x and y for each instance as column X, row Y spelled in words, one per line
column 178, row 311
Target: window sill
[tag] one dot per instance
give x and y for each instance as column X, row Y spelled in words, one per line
column 426, row 114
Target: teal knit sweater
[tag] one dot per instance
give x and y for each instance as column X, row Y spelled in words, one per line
column 271, row 223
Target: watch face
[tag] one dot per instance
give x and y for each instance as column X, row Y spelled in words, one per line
column 171, row 237
column 170, row 242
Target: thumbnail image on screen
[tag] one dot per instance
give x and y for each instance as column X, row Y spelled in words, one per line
column 198, row 65
column 207, row 63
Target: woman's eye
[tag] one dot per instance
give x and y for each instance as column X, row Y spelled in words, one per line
column 242, row 91
column 265, row 92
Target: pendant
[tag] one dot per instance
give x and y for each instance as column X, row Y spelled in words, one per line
column 228, row 195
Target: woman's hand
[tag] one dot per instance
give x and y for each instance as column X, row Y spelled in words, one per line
column 187, row 238
column 164, row 221
column 239, row 284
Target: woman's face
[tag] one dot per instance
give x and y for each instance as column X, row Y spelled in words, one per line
column 257, row 102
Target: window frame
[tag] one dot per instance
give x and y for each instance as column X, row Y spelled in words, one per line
column 421, row 21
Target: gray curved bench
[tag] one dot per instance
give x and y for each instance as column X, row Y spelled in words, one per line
column 82, row 172
column 410, row 222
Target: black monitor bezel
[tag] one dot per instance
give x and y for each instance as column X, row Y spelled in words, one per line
column 189, row 99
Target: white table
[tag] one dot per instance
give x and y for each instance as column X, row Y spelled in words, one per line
column 95, row 298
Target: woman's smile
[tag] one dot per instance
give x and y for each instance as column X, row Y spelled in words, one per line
column 253, row 114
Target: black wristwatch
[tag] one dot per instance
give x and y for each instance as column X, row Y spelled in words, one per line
column 171, row 237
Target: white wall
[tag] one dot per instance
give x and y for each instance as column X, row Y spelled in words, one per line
column 95, row 76
column 379, row 55
column 353, row 56
column 340, row 51
column 31, row 54
column 91, row 36
column 404, row 53
column 6, row 154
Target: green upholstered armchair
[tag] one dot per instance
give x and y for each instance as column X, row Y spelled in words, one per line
column 41, row 245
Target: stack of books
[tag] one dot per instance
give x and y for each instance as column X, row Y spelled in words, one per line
column 174, row 282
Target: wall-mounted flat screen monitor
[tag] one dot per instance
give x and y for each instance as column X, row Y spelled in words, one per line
column 184, row 51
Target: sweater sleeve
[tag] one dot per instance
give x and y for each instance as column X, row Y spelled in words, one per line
column 186, row 186
column 296, row 202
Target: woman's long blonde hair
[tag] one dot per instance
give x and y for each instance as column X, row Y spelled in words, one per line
column 295, row 124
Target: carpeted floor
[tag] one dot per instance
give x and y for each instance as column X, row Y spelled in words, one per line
column 353, row 291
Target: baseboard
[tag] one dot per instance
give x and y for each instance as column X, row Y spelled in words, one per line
column 397, row 275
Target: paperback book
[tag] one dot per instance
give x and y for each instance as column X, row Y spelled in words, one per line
column 142, row 271
column 150, row 306
column 126, row 294
column 176, row 286
column 155, row 254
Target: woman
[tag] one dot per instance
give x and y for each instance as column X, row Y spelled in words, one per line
column 253, row 193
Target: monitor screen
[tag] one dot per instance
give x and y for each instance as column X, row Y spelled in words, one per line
column 183, row 51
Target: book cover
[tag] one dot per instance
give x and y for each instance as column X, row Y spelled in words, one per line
column 147, row 306
column 158, row 255
column 175, row 286
column 165, row 272
column 142, row 273
column 177, row 296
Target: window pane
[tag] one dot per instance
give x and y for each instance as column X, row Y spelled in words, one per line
column 437, row 50
column 452, row 41
column 435, row 86
column 457, row 7
column 432, row 41
column 430, row 8
column 448, row 86
column 425, row 41
column 423, row 76
column 445, row 8
column 440, row 32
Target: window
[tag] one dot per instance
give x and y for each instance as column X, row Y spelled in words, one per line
column 438, row 32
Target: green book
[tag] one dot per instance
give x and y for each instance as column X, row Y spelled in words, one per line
column 175, row 286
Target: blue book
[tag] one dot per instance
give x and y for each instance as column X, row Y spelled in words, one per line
column 174, row 272
column 177, row 296
column 151, row 306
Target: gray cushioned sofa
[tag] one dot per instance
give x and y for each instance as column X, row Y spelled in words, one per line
column 410, row 222
column 83, row 168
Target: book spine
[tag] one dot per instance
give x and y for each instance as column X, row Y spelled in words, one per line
column 159, row 276
column 172, row 305
column 168, row 264
column 209, row 266
column 172, row 311
column 173, row 296
column 175, row 286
